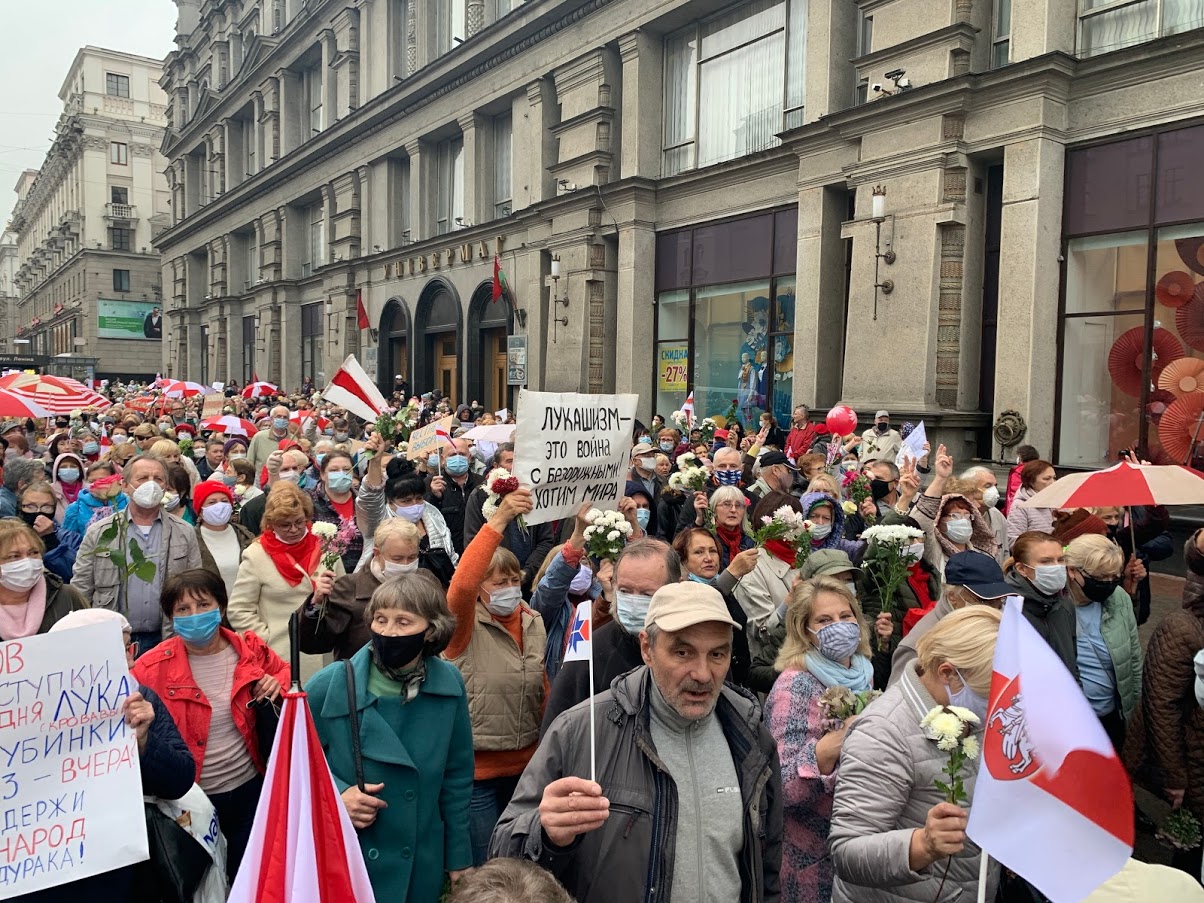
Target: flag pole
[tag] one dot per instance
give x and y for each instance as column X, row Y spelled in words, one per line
column 984, row 862
column 592, row 737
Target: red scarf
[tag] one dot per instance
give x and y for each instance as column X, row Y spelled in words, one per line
column 732, row 538
column 782, row 551
column 288, row 558
column 917, row 579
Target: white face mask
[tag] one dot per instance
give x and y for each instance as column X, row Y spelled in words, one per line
column 217, row 514
column 395, row 569
column 502, row 602
column 148, row 495
column 915, row 551
column 171, row 500
column 990, row 496
column 20, row 575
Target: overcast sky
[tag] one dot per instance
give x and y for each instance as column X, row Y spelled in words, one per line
column 41, row 38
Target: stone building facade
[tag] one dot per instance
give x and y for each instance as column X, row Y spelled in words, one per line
column 88, row 279
column 679, row 197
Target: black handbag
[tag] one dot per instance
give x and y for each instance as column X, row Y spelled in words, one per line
column 267, row 719
column 177, row 864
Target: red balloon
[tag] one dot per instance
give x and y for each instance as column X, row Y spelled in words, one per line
column 842, row 420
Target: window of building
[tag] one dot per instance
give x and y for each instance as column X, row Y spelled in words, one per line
column 1132, row 323
column 118, row 153
column 1001, row 42
column 450, row 30
column 503, row 140
column 119, row 195
column 121, row 239
column 248, row 349
column 312, row 79
column 117, row 85
column 450, row 159
column 251, row 261
column 121, row 280
column 495, row 9
column 1106, row 25
column 315, row 218
column 728, row 88
column 724, row 326
column 311, row 340
column 204, row 354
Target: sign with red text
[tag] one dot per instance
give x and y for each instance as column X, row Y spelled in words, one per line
column 70, row 785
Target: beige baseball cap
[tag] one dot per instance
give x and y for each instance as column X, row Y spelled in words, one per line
column 681, row 605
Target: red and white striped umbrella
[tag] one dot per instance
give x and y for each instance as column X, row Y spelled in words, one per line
column 300, row 418
column 1123, row 485
column 230, row 425
column 57, row 394
column 260, row 390
column 181, row 388
column 14, row 405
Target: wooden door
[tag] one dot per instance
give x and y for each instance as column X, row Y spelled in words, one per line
column 447, row 366
column 399, row 354
column 497, row 380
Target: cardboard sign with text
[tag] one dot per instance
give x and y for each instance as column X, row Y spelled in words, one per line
column 212, row 405
column 424, row 441
column 571, row 448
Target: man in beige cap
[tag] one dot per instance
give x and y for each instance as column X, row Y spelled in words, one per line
column 688, row 790
column 880, row 443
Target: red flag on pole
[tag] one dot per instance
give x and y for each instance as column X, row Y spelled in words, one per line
column 361, row 312
column 497, row 278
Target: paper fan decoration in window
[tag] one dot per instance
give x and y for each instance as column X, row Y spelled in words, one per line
column 1191, row 252
column 1127, row 357
column 1178, row 426
column 1189, row 320
column 1183, row 377
column 1158, row 400
column 1175, row 289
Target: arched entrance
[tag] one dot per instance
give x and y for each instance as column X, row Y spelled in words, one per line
column 393, row 349
column 437, row 340
column 490, row 324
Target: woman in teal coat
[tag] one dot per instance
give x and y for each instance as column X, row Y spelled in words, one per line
column 415, row 739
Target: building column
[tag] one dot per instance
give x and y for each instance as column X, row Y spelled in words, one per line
column 1029, row 280
column 1043, row 26
column 533, row 133
column 831, row 41
column 642, row 55
column 474, row 134
column 293, row 120
column 422, row 189
column 819, row 309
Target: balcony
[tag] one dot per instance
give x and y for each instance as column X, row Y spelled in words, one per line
column 114, row 212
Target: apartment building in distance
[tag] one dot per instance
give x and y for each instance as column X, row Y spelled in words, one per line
column 978, row 214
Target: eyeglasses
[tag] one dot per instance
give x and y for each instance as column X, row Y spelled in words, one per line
column 38, row 509
column 731, row 506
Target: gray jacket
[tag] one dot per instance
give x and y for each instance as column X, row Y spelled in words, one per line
column 613, row 862
column 906, row 650
column 884, row 790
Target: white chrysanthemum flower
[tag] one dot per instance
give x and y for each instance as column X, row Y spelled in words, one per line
column 964, row 714
column 947, row 726
column 612, row 535
column 970, row 747
column 625, row 529
column 948, row 744
column 323, row 530
column 675, row 481
column 926, row 721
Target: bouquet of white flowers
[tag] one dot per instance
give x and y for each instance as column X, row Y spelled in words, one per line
column 607, row 534
column 708, row 427
column 681, row 419
column 786, row 525
column 952, row 727
column 886, row 562
column 691, row 476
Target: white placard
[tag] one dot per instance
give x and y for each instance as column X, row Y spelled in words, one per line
column 913, row 445
column 70, row 783
column 571, row 448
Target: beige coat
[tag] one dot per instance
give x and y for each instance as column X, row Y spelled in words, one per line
column 262, row 601
column 760, row 593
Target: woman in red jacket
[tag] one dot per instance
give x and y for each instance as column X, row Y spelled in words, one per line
column 207, row 661
column 1024, row 454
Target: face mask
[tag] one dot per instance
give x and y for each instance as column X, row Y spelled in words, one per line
column 821, row 531
column 915, row 551
column 91, row 448
column 457, row 465
column 148, row 495
column 165, row 426
column 198, row 629
column 412, row 513
column 29, row 518
column 581, row 580
column 631, row 609
column 229, row 479
column 968, row 699
column 341, row 437
column 392, row 653
column 279, row 424
column 990, row 496
column 879, row 489
column 393, row 569
column 502, row 602
column 339, row 481
column 289, row 542
column 432, row 462
column 642, row 516
column 851, row 586
column 839, row 640
column 69, row 474
column 727, row 477
column 20, row 575
column 646, row 464
column 1049, row 578
column 217, row 514
column 703, row 580
column 881, row 428
column 320, row 457
column 290, row 476
column 119, row 438
column 1098, row 590
column 238, row 456
column 959, row 530
column 329, row 431
column 171, row 500
column 645, row 440
column 667, row 446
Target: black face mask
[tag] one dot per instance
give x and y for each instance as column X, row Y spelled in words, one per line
column 392, row 653
column 879, row 489
column 29, row 517
column 1098, row 590
column 1113, row 532
column 882, row 427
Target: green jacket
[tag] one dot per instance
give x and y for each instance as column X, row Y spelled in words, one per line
column 422, row 752
column 1119, row 628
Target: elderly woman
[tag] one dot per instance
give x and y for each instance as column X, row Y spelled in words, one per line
column 827, row 646
column 337, row 624
column 334, row 502
column 827, row 530
column 1034, row 476
column 279, row 571
column 31, row 598
column 67, row 479
column 221, row 541
column 177, row 499
column 728, row 508
column 404, row 496
column 498, row 645
column 211, row 679
column 36, row 507
column 1109, row 652
column 412, row 815
column 893, row 837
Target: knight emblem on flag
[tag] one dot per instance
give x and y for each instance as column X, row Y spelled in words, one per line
column 1007, row 748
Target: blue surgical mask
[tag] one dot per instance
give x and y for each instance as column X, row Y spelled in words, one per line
column 229, row 479
column 631, row 609
column 838, row 640
column 703, row 580
column 457, row 465
column 339, row 481
column 320, row 457
column 645, row 440
column 666, row 446
column 69, row 474
column 728, row 477
column 279, row 424
column 412, row 513
column 198, row 629
column 1049, row 578
column 641, row 517
column 967, row 698
column 432, row 461
column 329, row 431
column 91, row 448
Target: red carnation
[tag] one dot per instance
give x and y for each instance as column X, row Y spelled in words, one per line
column 504, row 485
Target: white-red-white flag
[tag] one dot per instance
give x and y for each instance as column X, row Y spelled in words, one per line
column 1052, row 801
column 302, row 848
column 687, row 408
column 442, row 435
column 351, row 388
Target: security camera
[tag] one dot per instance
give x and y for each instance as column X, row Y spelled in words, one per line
column 875, row 87
column 904, row 84
column 894, row 74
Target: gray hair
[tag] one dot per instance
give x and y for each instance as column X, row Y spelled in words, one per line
column 972, row 473
column 727, row 494
column 892, row 472
column 128, row 474
column 496, row 460
column 420, row 594
column 508, row 881
column 23, row 470
column 652, row 548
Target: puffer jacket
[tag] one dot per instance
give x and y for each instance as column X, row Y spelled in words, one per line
column 1118, row 626
column 1051, row 616
column 1021, row 520
column 884, row 791
column 612, row 863
column 927, row 514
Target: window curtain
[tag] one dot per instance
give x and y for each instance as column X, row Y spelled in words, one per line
column 680, row 92
column 1119, row 27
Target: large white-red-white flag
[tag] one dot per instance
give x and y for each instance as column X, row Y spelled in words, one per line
column 302, row 848
column 351, row 388
column 1052, row 801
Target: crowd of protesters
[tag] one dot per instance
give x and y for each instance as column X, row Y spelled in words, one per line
column 715, row 768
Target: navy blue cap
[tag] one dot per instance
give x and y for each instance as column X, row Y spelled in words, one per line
column 978, row 573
